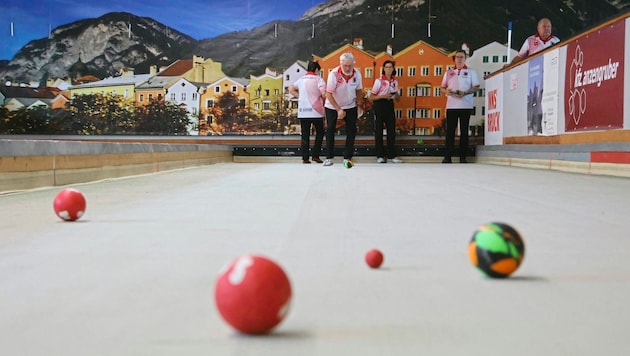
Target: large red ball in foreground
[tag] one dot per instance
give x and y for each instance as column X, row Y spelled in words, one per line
column 253, row 294
column 69, row 204
column 374, row 258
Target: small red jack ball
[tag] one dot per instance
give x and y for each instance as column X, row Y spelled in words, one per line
column 374, row 258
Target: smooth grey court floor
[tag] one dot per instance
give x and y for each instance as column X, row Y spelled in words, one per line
column 135, row 276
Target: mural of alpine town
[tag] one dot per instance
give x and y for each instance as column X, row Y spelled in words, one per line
column 206, row 67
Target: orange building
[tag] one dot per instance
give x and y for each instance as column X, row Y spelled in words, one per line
column 420, row 69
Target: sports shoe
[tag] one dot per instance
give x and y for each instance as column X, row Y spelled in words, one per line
column 328, row 162
column 317, row 160
column 396, row 160
column 447, row 160
column 305, row 161
column 381, row 160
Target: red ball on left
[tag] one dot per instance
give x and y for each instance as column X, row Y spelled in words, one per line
column 253, row 294
column 69, row 204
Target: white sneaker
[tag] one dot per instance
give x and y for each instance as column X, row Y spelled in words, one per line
column 396, row 160
column 381, row 160
column 328, row 162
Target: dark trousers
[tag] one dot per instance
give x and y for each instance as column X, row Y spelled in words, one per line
column 384, row 112
column 306, row 136
column 351, row 132
column 452, row 116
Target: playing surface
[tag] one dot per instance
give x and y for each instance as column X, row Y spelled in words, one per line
column 135, row 275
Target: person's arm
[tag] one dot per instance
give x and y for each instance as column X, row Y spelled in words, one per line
column 294, row 91
column 341, row 113
column 359, row 98
column 517, row 59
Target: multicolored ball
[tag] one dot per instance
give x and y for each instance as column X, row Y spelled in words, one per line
column 69, row 204
column 496, row 249
column 253, row 294
column 348, row 163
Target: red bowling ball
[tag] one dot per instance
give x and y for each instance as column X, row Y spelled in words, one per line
column 374, row 258
column 253, row 294
column 69, row 204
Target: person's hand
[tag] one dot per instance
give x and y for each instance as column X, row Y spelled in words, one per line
column 341, row 113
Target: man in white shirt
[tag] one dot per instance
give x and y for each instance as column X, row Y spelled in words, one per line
column 344, row 92
column 537, row 42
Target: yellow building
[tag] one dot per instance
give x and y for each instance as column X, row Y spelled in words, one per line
column 265, row 93
column 123, row 85
column 210, row 95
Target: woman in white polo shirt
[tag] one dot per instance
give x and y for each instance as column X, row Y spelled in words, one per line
column 459, row 84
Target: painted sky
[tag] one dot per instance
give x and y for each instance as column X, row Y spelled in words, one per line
column 197, row 18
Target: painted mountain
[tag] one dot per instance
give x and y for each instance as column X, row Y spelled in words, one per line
column 103, row 46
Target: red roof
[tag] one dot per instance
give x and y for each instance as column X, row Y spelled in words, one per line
column 178, row 68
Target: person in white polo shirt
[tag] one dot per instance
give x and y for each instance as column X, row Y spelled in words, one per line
column 311, row 93
column 537, row 42
column 459, row 84
column 344, row 93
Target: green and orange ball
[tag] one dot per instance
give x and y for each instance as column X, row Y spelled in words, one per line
column 496, row 249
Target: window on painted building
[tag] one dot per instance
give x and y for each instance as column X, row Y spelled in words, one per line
column 437, row 71
column 411, row 71
column 504, row 59
column 411, row 91
column 482, row 92
column 209, row 119
column 294, row 104
column 217, row 89
column 172, row 96
column 266, row 92
column 256, row 106
column 183, row 96
column 150, row 97
column 159, row 97
column 485, row 59
column 257, row 92
column 114, row 92
column 241, row 102
column 411, row 113
column 369, row 72
column 287, row 78
column 233, row 88
column 474, row 111
column 210, row 103
column 437, row 113
column 141, row 98
column 399, row 72
column 126, row 94
column 425, row 71
column 495, row 59
column 276, row 105
column 398, row 113
column 194, row 110
column 423, row 113
column 194, row 96
column 266, row 105
column 276, row 92
column 483, row 110
column 424, row 90
column 437, row 91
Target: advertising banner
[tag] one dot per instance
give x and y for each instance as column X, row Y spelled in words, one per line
column 550, row 97
column 494, row 112
column 593, row 95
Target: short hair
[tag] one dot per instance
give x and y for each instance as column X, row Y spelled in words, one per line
column 313, row 66
column 346, row 57
column 462, row 52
